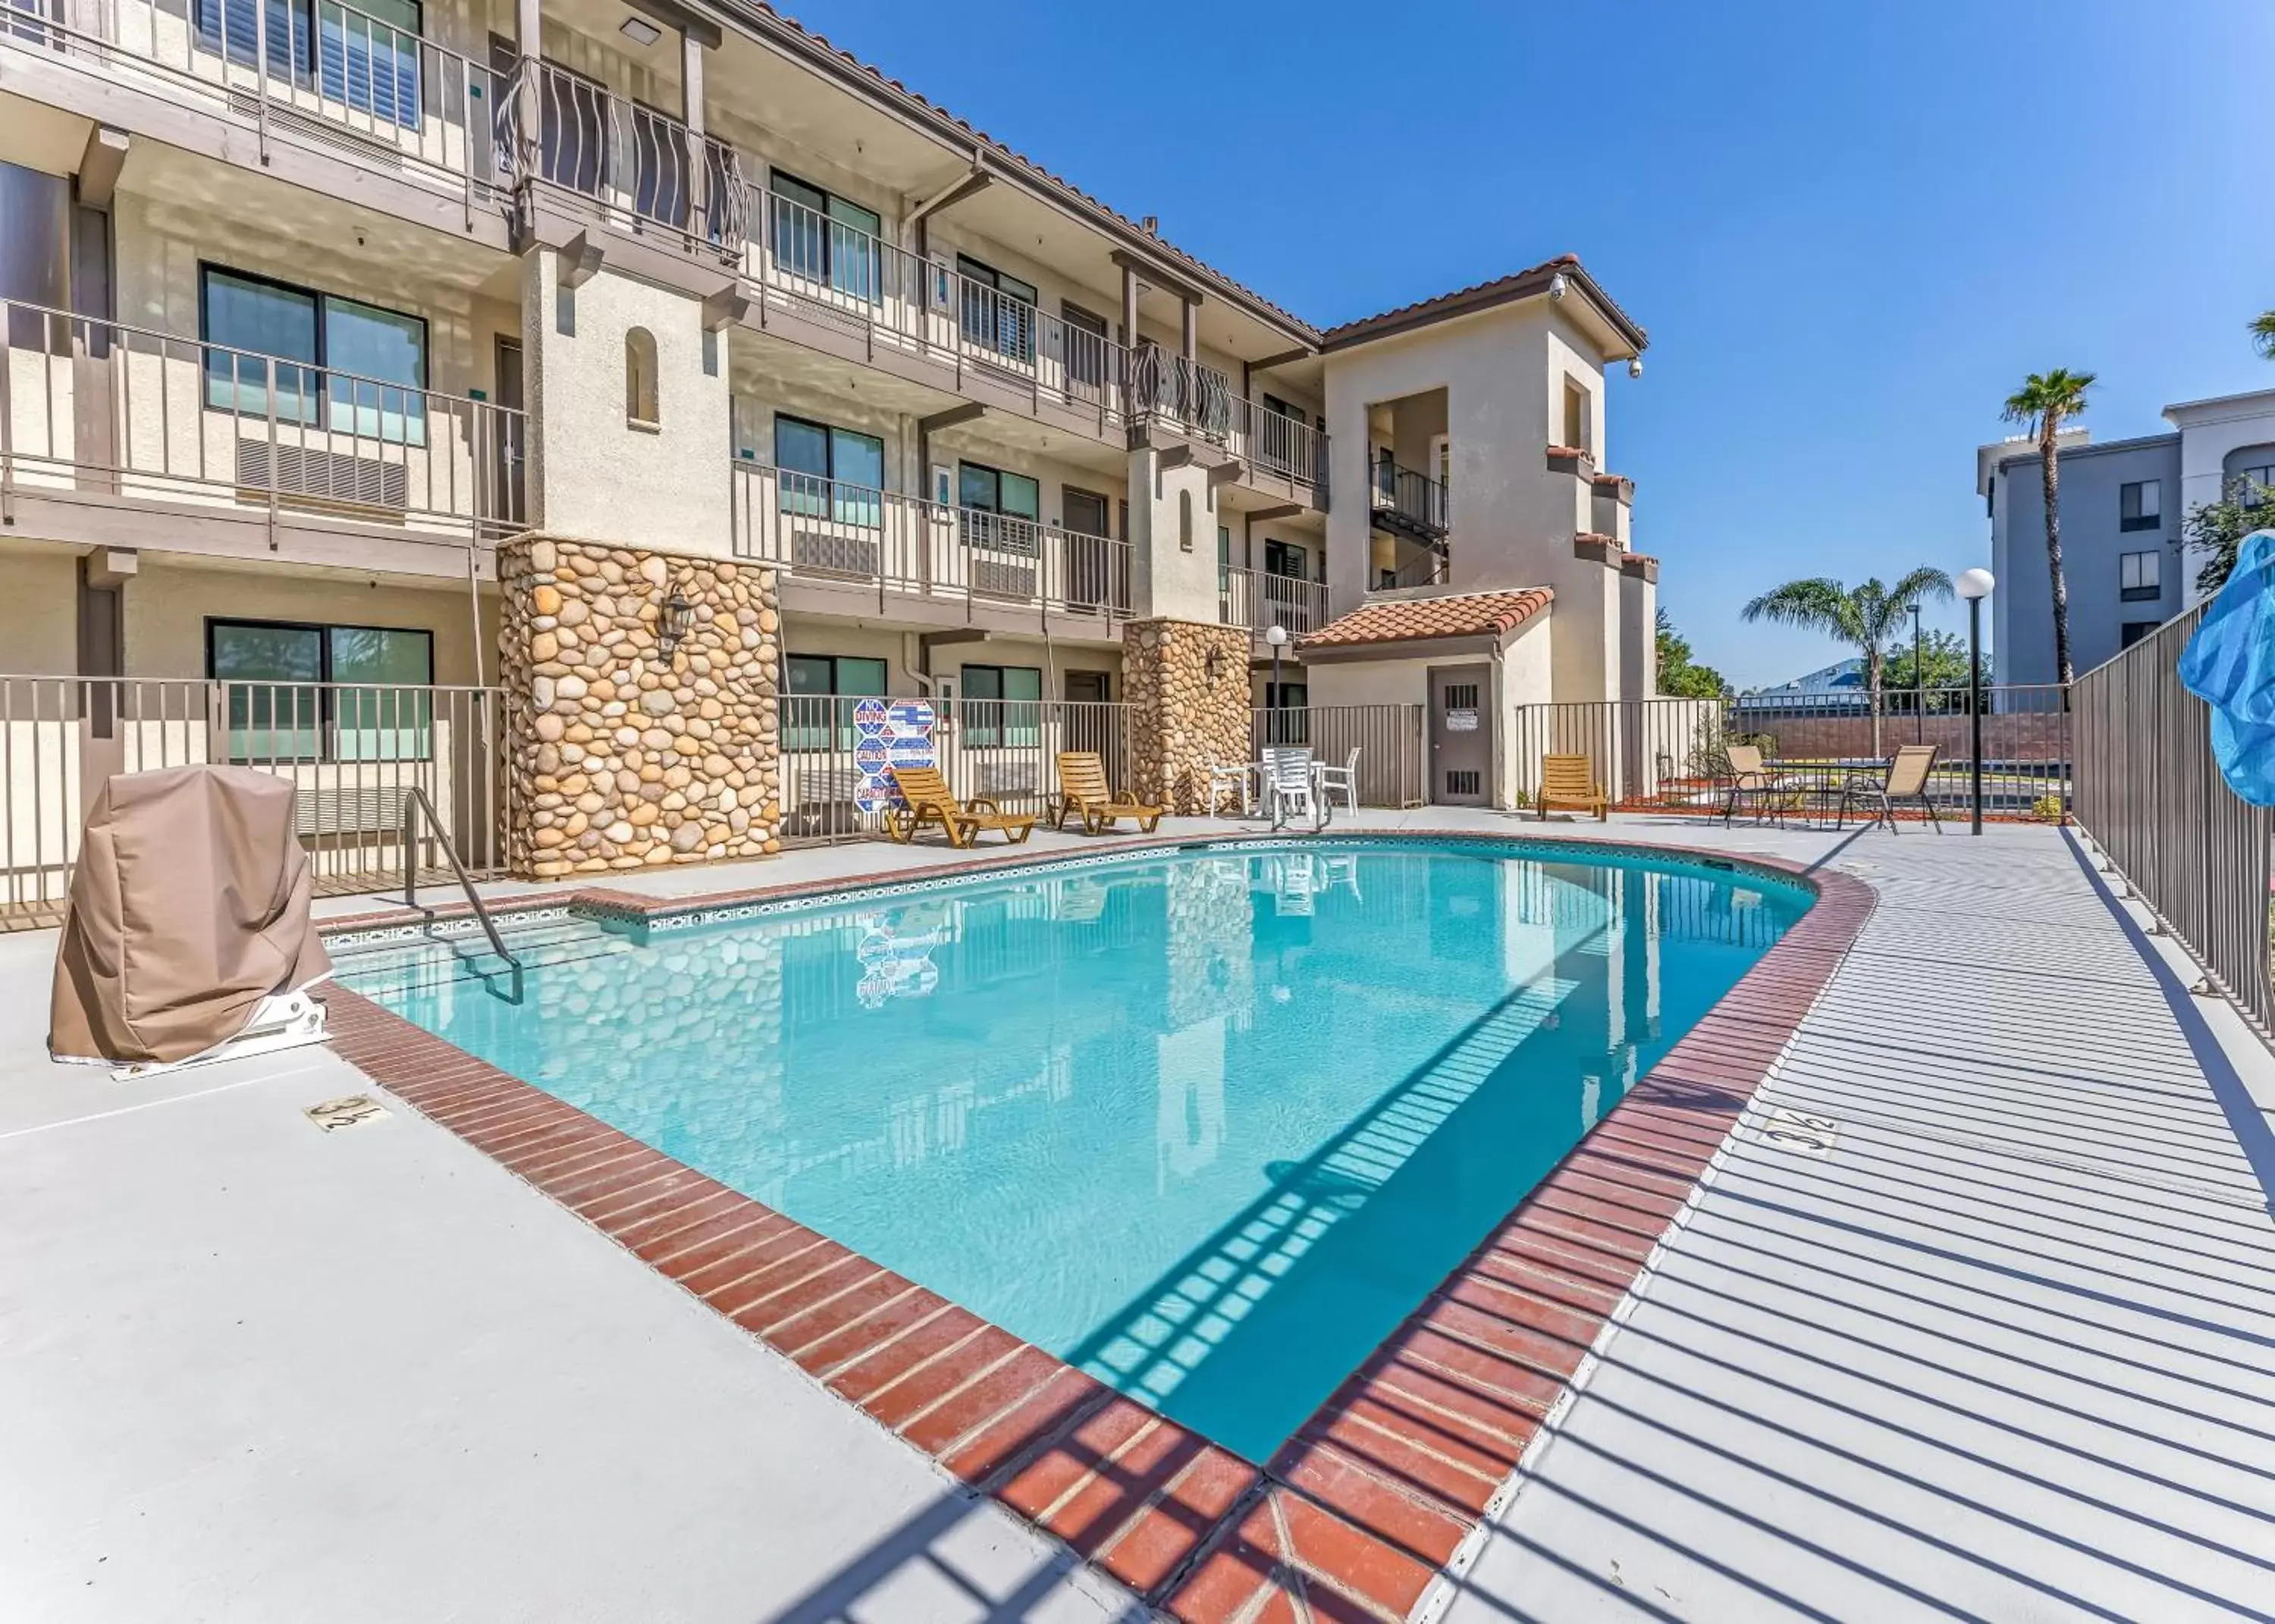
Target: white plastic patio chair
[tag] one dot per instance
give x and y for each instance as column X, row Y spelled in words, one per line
column 1291, row 788
column 1344, row 781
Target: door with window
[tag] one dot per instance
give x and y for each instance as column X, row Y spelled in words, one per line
column 1085, row 350
column 1089, row 554
column 503, row 501
column 1461, row 737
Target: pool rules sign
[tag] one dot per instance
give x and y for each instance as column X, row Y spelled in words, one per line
column 889, row 733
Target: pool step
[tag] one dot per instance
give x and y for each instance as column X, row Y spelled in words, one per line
column 434, row 958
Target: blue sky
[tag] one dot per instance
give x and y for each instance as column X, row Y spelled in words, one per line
column 1850, row 227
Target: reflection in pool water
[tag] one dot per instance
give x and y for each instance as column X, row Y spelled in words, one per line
column 1209, row 1124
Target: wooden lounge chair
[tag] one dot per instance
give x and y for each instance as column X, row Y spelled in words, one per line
column 1905, row 780
column 1082, row 789
column 1570, row 781
column 930, row 800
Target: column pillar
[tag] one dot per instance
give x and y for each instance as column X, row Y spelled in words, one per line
column 1189, row 336
column 1187, row 687
column 642, row 723
column 1129, row 308
column 690, row 113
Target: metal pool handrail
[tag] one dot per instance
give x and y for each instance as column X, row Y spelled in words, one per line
column 414, row 802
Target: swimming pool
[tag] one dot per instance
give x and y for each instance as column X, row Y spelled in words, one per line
column 1208, row 1124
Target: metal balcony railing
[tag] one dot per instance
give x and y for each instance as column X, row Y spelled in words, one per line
column 1198, row 399
column 1260, row 599
column 902, row 546
column 126, row 413
column 620, row 156
column 1408, row 502
column 319, row 69
column 826, row 267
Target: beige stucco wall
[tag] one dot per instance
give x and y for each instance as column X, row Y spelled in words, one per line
column 1169, row 576
column 39, row 612
column 593, row 472
column 169, row 603
column 1513, row 518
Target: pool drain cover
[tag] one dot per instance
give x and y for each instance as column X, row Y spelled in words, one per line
column 350, row 1111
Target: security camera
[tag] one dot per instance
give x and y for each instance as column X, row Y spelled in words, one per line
column 1557, row 285
column 1635, row 368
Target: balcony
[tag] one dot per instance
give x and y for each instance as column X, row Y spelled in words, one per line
column 317, row 72
column 1260, row 600
column 1200, row 402
column 98, row 419
column 626, row 163
column 1409, row 504
column 921, row 555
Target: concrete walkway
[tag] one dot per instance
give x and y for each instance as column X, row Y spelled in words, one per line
column 2007, row 1351
column 2002, row 1347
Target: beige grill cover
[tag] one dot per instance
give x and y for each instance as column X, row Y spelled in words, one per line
column 189, row 906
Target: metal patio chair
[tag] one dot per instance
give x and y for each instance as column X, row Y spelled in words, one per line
column 1905, row 780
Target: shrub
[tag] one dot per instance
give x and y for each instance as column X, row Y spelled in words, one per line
column 2047, row 809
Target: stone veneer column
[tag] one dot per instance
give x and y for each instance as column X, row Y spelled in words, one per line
column 1187, row 687
column 620, row 756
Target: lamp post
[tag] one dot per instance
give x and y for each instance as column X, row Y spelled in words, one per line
column 1975, row 585
column 1919, row 682
column 1276, row 634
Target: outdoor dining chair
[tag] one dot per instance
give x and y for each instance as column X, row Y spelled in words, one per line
column 1344, row 781
column 1904, row 780
column 1291, row 787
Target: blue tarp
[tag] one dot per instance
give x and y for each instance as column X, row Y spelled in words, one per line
column 2230, row 665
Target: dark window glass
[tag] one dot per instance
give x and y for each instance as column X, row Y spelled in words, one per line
column 826, row 239
column 816, row 715
column 385, row 349
column 327, row 693
column 2140, row 504
column 1000, row 706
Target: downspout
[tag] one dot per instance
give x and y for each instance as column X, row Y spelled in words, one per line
column 1500, row 798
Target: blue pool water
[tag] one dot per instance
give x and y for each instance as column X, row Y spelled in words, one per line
column 1207, row 1124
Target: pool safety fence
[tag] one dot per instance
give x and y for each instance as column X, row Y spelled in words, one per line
column 2151, row 796
column 353, row 752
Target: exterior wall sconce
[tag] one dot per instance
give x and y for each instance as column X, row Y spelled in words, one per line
column 678, row 618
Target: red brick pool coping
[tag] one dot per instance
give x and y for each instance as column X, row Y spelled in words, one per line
column 1357, row 1513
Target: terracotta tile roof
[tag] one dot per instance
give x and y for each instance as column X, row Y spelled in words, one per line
column 1463, row 615
column 1153, row 239
column 1484, row 295
column 794, row 34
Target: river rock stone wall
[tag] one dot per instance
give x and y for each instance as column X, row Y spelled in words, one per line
column 622, row 755
column 1187, row 687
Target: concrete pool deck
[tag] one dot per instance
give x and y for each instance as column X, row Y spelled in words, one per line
column 251, row 1371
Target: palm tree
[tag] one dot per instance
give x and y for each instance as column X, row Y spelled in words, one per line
column 2262, row 333
column 1867, row 616
column 2045, row 400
